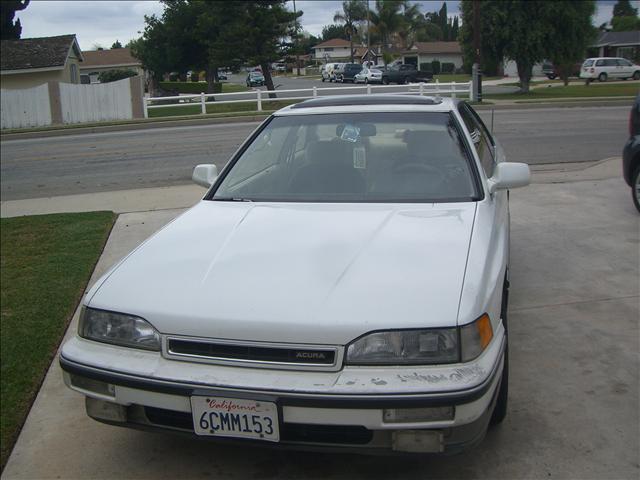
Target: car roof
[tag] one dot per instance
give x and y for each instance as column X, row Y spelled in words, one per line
column 370, row 103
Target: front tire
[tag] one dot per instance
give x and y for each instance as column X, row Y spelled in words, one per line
column 385, row 81
column 635, row 188
column 636, row 75
column 602, row 77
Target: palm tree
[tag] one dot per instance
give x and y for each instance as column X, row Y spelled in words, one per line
column 412, row 22
column 387, row 19
column 353, row 11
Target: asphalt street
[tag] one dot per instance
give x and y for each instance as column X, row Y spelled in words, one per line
column 87, row 163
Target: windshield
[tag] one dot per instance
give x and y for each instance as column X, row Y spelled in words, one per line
column 363, row 157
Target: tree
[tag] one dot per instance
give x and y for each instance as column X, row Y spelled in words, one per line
column 570, row 31
column 412, row 23
column 492, row 35
column 623, row 8
column 353, row 11
column 116, row 45
column 625, row 17
column 10, row 30
column 333, row 31
column 386, row 20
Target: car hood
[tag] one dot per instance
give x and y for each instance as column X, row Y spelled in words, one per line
column 301, row 273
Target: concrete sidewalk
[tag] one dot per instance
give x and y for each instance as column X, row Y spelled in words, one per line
column 163, row 198
column 574, row 390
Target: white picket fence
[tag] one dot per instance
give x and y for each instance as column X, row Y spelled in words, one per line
column 25, row 108
column 257, row 96
column 96, row 102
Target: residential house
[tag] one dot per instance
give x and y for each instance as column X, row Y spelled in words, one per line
column 332, row 50
column 98, row 61
column 29, row 62
column 427, row 52
column 617, row 44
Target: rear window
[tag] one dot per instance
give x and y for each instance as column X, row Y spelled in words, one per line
column 588, row 63
column 358, row 157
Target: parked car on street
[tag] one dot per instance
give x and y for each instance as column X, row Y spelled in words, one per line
column 405, row 73
column 631, row 154
column 279, row 67
column 336, row 73
column 604, row 68
column 368, row 75
column 255, row 79
column 349, row 72
column 552, row 72
column 222, row 75
column 326, row 71
column 343, row 283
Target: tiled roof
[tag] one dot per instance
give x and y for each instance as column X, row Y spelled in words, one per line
column 435, row 47
column 113, row 57
column 618, row 38
column 28, row 53
column 334, row 42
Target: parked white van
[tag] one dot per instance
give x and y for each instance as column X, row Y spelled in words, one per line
column 604, row 68
column 326, row 71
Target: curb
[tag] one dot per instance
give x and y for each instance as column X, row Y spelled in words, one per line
column 185, row 122
column 188, row 122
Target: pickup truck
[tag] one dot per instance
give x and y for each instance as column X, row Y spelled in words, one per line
column 405, row 73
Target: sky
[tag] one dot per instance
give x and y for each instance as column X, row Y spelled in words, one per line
column 102, row 22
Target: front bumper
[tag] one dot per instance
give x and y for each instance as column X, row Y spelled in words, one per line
column 159, row 399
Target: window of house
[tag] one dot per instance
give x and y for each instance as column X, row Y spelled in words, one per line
column 625, row 52
column 74, row 73
column 328, row 49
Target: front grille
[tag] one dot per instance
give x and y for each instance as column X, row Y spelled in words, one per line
column 251, row 353
column 289, row 432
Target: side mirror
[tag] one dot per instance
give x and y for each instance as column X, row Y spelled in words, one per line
column 509, row 175
column 205, row 174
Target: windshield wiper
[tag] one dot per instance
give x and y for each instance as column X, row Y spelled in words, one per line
column 231, row 199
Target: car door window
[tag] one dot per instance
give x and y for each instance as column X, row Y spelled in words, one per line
column 482, row 141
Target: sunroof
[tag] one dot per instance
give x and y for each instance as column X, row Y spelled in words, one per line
column 346, row 100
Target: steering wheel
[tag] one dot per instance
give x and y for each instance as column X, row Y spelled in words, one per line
column 435, row 174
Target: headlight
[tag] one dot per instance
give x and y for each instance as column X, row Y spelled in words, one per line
column 405, row 347
column 422, row 347
column 118, row 329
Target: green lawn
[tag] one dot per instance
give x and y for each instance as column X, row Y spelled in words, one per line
column 233, row 87
column 457, row 77
column 267, row 105
column 46, row 262
column 593, row 90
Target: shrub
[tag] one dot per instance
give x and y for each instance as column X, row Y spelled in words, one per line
column 115, row 75
column 190, row 87
column 194, row 77
column 448, row 67
column 173, row 77
column 435, row 65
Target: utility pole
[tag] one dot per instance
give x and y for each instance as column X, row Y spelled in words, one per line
column 368, row 34
column 476, row 72
column 295, row 39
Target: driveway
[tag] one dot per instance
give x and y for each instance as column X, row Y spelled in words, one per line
column 573, row 410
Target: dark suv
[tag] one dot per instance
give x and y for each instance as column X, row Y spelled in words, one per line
column 350, row 71
column 631, row 154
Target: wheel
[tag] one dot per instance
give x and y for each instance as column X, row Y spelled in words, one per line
column 366, row 80
column 500, row 410
column 385, row 80
column 602, row 77
column 322, row 79
column 551, row 76
column 635, row 189
column 636, row 75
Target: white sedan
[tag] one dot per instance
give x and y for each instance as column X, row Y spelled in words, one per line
column 368, row 75
column 343, row 283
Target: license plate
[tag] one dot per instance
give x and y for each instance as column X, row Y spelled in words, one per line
column 233, row 417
